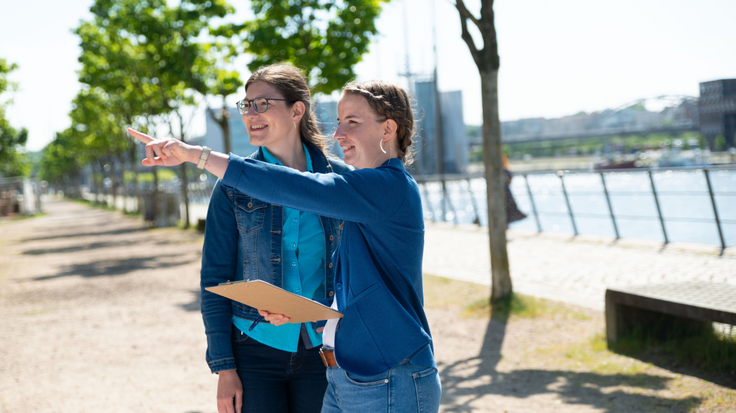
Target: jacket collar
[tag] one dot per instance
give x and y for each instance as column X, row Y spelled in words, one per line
column 319, row 160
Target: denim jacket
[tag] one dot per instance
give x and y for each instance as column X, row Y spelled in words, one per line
column 243, row 241
column 378, row 264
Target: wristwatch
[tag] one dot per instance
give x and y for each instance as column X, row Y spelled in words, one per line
column 203, row 157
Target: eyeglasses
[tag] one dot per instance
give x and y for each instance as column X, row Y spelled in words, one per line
column 259, row 104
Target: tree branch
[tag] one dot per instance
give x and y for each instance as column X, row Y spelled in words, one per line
column 464, row 16
column 465, row 13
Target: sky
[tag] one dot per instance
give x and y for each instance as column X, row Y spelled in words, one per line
column 557, row 57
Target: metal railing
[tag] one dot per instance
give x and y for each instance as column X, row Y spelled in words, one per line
column 605, row 191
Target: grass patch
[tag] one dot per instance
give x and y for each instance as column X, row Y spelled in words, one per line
column 524, row 306
column 21, row 217
column 441, row 292
column 675, row 341
column 601, row 368
column 593, row 355
column 100, row 205
column 475, row 301
column 709, row 350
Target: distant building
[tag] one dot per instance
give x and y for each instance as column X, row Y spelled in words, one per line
column 326, row 114
column 717, row 109
column 455, row 142
column 239, row 140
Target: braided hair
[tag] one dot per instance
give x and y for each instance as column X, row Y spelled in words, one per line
column 292, row 84
column 389, row 101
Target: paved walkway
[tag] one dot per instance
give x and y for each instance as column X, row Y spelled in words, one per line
column 573, row 270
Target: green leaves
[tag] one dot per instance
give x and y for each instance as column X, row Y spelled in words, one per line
column 13, row 159
column 325, row 38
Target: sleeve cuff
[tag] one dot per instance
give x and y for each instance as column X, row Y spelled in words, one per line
column 222, row 365
column 234, row 171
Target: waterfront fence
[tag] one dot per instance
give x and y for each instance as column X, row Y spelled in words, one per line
column 691, row 204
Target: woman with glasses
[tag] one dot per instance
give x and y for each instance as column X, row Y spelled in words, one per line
column 379, row 355
column 263, row 367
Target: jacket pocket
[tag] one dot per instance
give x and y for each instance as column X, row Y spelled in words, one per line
column 249, row 212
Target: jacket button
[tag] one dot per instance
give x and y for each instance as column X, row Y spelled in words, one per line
column 330, row 294
column 330, row 266
column 250, row 205
column 331, row 237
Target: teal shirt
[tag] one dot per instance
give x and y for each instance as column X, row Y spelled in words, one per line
column 303, row 247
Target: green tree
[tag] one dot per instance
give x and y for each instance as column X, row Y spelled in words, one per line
column 719, row 143
column 60, row 164
column 149, row 57
column 99, row 133
column 13, row 159
column 217, row 80
column 324, row 37
column 488, row 62
column 114, row 60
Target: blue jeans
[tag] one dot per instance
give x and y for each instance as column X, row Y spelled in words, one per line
column 276, row 381
column 405, row 388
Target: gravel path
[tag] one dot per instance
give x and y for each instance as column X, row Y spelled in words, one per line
column 100, row 313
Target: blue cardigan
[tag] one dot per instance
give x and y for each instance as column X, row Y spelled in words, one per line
column 378, row 264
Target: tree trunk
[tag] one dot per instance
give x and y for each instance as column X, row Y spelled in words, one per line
column 184, row 183
column 134, row 167
column 101, row 185
column 184, row 196
column 495, row 193
column 114, row 177
column 222, row 120
column 154, row 196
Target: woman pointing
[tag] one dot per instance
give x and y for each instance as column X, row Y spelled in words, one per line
column 379, row 355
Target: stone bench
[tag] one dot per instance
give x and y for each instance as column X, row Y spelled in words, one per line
column 668, row 310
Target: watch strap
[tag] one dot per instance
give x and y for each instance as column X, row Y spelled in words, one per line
column 203, row 157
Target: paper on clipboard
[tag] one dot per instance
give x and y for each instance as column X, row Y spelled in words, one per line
column 267, row 297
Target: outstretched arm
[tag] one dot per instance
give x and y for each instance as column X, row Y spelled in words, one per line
column 365, row 196
column 171, row 152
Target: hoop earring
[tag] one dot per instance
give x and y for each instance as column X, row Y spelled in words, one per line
column 380, row 145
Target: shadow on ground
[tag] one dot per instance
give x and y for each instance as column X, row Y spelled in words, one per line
column 468, row 380
column 668, row 362
column 196, row 303
column 64, row 235
column 107, row 268
column 82, row 247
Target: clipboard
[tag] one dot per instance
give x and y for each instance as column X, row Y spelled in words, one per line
column 267, row 297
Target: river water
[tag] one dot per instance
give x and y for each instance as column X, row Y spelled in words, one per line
column 683, row 196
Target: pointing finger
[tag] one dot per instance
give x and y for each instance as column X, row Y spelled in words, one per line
column 140, row 136
column 149, row 154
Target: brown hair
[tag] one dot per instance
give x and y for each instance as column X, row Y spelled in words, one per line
column 292, row 84
column 389, row 101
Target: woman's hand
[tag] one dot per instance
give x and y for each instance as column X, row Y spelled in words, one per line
column 275, row 319
column 229, row 392
column 170, row 151
column 173, row 152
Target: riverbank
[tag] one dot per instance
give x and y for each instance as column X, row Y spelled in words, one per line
column 101, row 313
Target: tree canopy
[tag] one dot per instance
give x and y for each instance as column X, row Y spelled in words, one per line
column 13, row 159
column 149, row 64
column 325, row 38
